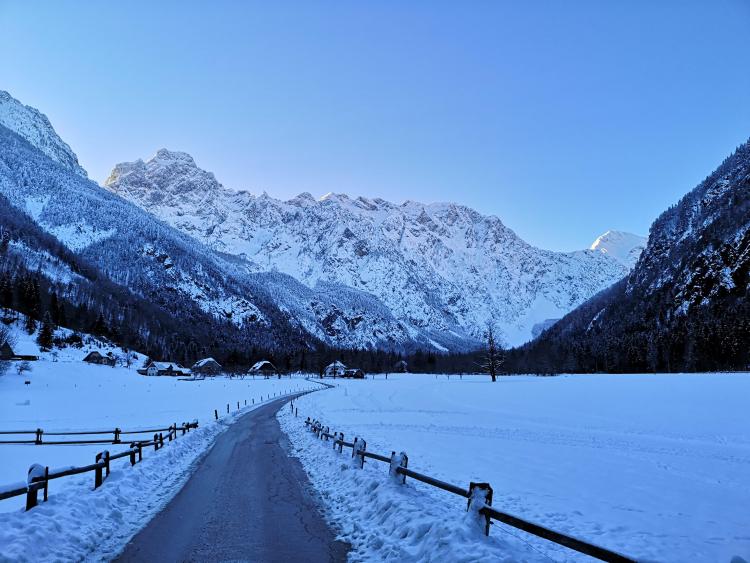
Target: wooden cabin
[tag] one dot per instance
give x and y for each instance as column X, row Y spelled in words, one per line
column 7, row 353
column 98, row 358
column 165, row 369
column 336, row 369
column 206, row 366
column 264, row 368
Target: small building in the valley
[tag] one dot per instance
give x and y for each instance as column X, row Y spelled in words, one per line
column 355, row 373
column 263, row 367
column 96, row 357
column 7, row 353
column 401, row 367
column 165, row 368
column 336, row 369
column 206, row 366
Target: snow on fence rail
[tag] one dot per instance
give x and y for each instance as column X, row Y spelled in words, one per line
column 478, row 495
column 38, row 476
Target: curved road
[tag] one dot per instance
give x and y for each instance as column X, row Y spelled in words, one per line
column 248, row 500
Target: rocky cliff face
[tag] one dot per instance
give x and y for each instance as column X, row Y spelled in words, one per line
column 439, row 269
column 34, row 126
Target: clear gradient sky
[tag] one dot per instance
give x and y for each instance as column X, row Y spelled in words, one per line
column 565, row 119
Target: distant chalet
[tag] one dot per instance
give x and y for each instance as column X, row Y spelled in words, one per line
column 100, row 359
column 206, row 366
column 164, row 368
column 7, row 354
column 263, row 367
column 336, row 369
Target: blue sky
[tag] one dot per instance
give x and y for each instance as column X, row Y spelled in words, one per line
column 565, row 119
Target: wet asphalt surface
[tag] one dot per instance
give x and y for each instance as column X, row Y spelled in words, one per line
column 248, row 500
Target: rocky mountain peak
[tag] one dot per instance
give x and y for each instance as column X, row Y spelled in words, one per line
column 32, row 125
column 624, row 247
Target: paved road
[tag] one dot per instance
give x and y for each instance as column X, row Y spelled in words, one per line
column 246, row 501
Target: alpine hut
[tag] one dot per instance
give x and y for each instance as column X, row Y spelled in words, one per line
column 206, row 366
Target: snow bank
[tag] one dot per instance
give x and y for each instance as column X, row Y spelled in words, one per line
column 654, row 467
column 78, row 523
column 384, row 520
column 74, row 395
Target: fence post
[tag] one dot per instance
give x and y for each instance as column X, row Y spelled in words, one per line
column 46, row 482
column 185, row 428
column 133, row 451
column 140, row 452
column 238, row 405
column 480, row 495
column 227, row 408
column 117, row 436
column 295, row 411
column 216, row 414
column 156, row 441
column 38, row 438
column 98, row 479
column 161, row 440
column 32, row 489
column 341, row 442
column 359, row 447
column 400, row 460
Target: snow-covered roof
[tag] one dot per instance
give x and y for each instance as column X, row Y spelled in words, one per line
column 166, row 365
column 203, row 362
column 336, row 365
column 261, row 365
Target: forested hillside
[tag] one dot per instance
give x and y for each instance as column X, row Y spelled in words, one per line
column 684, row 307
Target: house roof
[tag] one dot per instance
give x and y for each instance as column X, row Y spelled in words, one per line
column 336, row 365
column 204, row 362
column 263, row 364
column 165, row 365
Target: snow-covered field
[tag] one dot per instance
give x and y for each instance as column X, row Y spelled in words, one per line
column 655, row 467
column 68, row 394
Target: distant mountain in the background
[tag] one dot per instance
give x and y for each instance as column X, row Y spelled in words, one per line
column 218, row 301
column 626, row 248
column 442, row 271
column 685, row 305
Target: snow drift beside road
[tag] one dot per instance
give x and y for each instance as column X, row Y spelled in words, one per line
column 652, row 466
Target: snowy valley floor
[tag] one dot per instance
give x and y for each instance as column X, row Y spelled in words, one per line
column 79, row 523
column 655, row 467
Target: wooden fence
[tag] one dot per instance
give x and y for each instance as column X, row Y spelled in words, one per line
column 38, row 477
column 478, row 495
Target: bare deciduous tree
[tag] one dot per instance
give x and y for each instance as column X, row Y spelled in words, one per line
column 494, row 355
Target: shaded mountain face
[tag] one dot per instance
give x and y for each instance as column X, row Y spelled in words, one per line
column 685, row 304
column 442, row 271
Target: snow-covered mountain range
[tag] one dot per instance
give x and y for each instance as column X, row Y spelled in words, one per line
column 441, row 270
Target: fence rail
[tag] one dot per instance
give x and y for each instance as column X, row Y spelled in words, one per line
column 479, row 494
column 38, row 477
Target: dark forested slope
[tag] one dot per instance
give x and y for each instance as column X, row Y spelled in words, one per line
column 685, row 305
